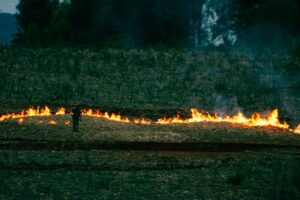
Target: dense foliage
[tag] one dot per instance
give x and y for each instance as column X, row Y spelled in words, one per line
column 127, row 23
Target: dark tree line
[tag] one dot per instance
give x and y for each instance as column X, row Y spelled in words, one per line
column 135, row 23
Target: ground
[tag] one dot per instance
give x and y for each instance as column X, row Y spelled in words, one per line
column 112, row 160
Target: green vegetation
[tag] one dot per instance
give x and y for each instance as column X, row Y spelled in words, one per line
column 216, row 80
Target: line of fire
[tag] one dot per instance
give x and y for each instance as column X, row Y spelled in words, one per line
column 255, row 120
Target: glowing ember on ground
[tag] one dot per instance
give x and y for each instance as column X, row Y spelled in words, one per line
column 256, row 119
column 52, row 122
column 21, row 120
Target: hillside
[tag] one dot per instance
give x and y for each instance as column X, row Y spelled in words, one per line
column 8, row 27
column 222, row 81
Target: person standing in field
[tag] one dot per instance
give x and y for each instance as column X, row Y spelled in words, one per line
column 76, row 116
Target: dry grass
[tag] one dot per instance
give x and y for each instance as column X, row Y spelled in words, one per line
column 102, row 130
column 148, row 175
column 115, row 174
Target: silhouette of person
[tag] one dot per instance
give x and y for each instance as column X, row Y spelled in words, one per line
column 76, row 116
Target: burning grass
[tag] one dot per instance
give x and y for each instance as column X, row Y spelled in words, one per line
column 255, row 120
column 114, row 174
column 101, row 129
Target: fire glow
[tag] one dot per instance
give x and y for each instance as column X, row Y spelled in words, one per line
column 254, row 120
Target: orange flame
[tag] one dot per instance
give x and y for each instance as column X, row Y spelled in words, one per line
column 297, row 129
column 255, row 119
column 31, row 112
column 113, row 116
column 142, row 121
column 61, row 111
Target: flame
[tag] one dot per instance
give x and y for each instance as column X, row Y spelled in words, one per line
column 297, row 129
column 31, row 112
column 61, row 111
column 173, row 120
column 52, row 122
column 256, row 119
column 113, row 116
column 142, row 121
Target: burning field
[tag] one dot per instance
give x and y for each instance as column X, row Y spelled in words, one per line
column 121, row 157
column 158, row 99
column 255, row 120
column 138, row 144
column 103, row 127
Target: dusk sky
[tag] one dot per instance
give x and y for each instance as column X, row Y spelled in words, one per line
column 8, row 6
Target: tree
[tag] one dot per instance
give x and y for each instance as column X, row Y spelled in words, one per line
column 258, row 18
column 37, row 12
column 60, row 30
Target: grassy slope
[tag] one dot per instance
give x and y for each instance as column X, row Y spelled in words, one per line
column 220, row 81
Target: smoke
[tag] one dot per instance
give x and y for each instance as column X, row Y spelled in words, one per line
column 224, row 106
column 242, row 79
column 217, row 25
column 229, row 22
